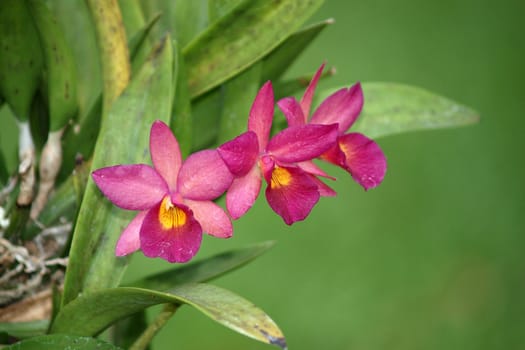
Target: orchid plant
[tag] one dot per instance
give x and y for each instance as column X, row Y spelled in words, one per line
column 204, row 84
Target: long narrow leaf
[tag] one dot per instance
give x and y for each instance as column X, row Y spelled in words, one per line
column 22, row 330
column 62, row 341
column 393, row 108
column 242, row 37
column 203, row 270
column 89, row 314
column 278, row 61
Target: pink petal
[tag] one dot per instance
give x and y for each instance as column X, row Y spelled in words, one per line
column 240, row 154
column 261, row 114
column 306, row 100
column 310, row 167
column 324, row 189
column 165, row 153
column 299, row 143
column 364, row 159
column 243, row 192
column 335, row 156
column 212, row 218
column 129, row 240
column 178, row 243
column 292, row 111
column 204, row 176
column 291, row 193
column 132, row 187
column 341, row 107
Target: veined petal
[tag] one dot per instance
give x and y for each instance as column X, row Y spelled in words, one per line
column 299, row 143
column 306, row 100
column 240, row 154
column 132, row 187
column 243, row 192
column 261, row 114
column 129, row 240
column 291, row 193
column 212, row 218
column 204, row 176
column 292, row 111
column 364, row 159
column 341, row 107
column 170, row 231
column 165, row 153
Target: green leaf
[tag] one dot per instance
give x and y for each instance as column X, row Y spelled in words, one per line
column 132, row 16
column 182, row 19
column 278, row 61
column 238, row 94
column 392, row 108
column 22, row 330
column 203, row 270
column 219, row 8
column 61, row 341
column 139, row 46
column 181, row 121
column 242, row 37
column 81, row 37
column 206, row 112
column 91, row 313
column 123, row 139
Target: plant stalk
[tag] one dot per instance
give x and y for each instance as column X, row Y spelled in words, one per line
column 145, row 338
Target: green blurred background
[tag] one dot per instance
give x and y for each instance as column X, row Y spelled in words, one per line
column 433, row 258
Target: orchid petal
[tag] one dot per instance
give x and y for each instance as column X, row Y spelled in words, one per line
column 291, row 193
column 204, row 176
column 261, row 114
column 243, row 192
column 299, row 143
column 240, row 154
column 132, row 187
column 324, row 189
column 341, row 107
column 129, row 240
column 292, row 111
column 306, row 100
column 212, row 218
column 175, row 241
column 364, row 159
column 311, row 168
column 335, row 156
column 165, row 153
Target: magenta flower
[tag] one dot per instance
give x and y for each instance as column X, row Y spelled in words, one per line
column 291, row 192
column 354, row 152
column 173, row 199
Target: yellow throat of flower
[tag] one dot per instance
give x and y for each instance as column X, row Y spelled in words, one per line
column 171, row 216
column 280, row 177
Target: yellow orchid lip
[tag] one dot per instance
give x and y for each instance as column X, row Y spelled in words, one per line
column 171, row 216
column 280, row 177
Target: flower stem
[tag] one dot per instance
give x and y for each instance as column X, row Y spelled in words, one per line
column 145, row 338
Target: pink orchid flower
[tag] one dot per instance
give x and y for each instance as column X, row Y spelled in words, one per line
column 252, row 156
column 173, row 199
column 354, row 152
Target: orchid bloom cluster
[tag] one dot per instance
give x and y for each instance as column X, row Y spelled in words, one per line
column 174, row 198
